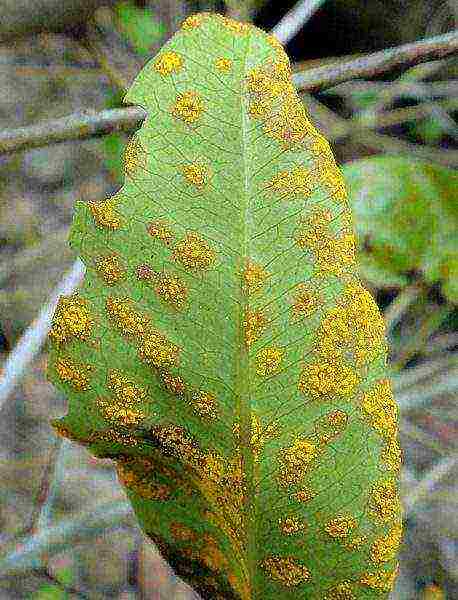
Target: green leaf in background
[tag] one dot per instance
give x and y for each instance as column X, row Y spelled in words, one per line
column 406, row 209
column 49, row 592
column 222, row 349
column 52, row 591
column 430, row 129
column 139, row 25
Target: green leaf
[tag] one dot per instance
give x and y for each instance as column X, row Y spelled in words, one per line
column 222, row 350
column 430, row 129
column 49, row 592
column 139, row 25
column 406, row 210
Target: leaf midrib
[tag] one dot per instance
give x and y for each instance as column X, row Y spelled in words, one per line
column 242, row 374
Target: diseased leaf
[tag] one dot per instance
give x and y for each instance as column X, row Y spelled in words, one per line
column 406, row 211
column 222, row 349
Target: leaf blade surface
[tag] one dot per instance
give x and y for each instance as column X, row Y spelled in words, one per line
column 222, row 350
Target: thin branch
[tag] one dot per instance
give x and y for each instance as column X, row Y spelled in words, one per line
column 414, row 432
column 397, row 309
column 416, row 398
column 54, row 244
column 83, row 125
column 92, row 123
column 371, row 65
column 426, row 327
column 426, row 485
column 387, row 143
column 295, row 19
column 409, row 113
column 33, row 339
column 94, row 43
column 21, row 17
column 414, row 89
column 409, row 378
column 46, row 492
column 30, row 550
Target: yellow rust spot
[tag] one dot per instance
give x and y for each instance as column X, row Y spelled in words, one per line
column 167, row 63
column 194, row 252
column 124, row 389
column 334, row 182
column 273, row 98
column 72, row 320
column 194, row 21
column 123, row 313
column 295, row 183
column 144, row 272
column 204, row 404
column 110, row 268
column 304, row 495
column 175, row 441
column 324, row 379
column 274, row 42
column 314, row 228
column 385, row 548
column 156, row 350
column 341, row 591
column 285, row 570
column 260, row 435
column 320, row 147
column 268, row 361
column 213, row 466
column 224, row 65
column 196, row 174
column 171, row 289
column 253, row 276
column 305, row 301
column 341, row 526
column 353, row 329
column 124, row 406
column 161, row 231
column 119, row 413
column 380, row 580
column 134, row 156
column 291, row 525
column 392, row 455
column 335, row 255
column 75, row 374
column 234, row 26
column 175, row 385
column 380, row 409
column 188, row 107
column 295, row 461
column 254, row 324
column 332, row 425
column 105, row 215
column 384, row 501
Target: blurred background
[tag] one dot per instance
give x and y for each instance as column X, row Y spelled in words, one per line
column 66, row 530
